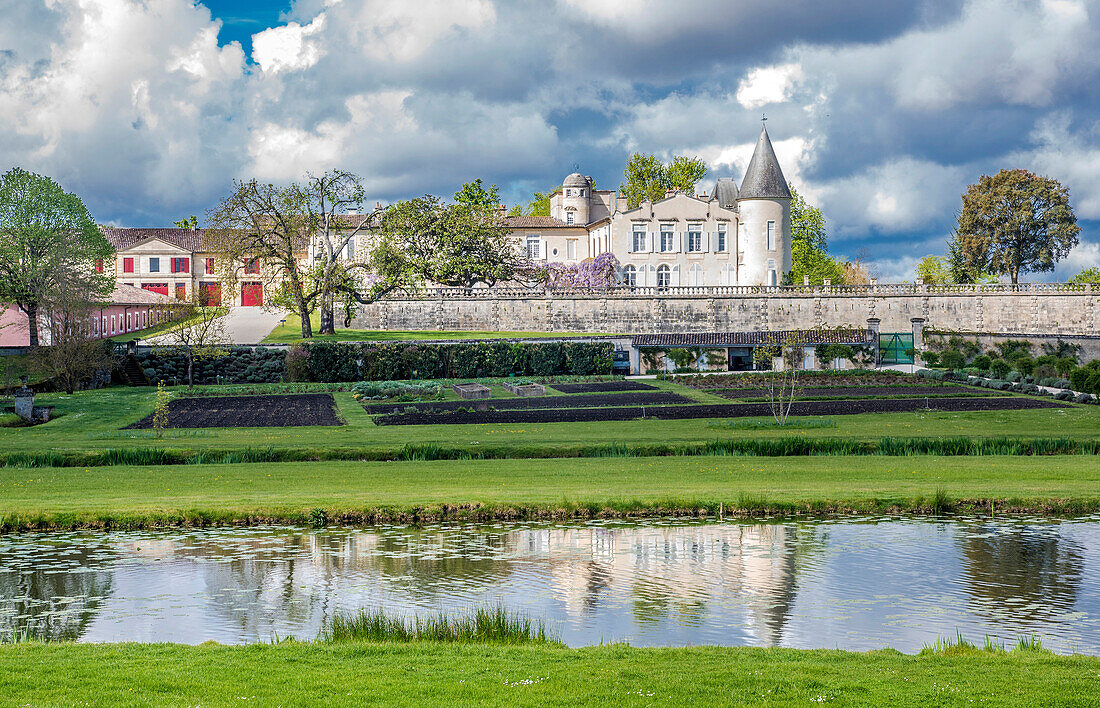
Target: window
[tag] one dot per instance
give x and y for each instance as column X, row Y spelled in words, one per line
column 179, row 265
column 351, row 248
column 580, row 193
column 569, row 217
column 630, row 276
column 571, row 250
column 127, row 265
column 569, row 192
column 773, row 277
column 113, row 330
column 129, row 322
column 210, row 266
column 99, row 266
column 154, row 265
column 145, row 318
column 638, row 242
column 533, row 247
column 252, row 266
column 695, row 238
column 771, row 235
column 720, row 245
column 664, row 276
column 667, row 238
column 181, row 291
column 695, row 275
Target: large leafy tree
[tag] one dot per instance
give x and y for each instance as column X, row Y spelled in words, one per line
column 266, row 229
column 476, row 194
column 538, row 206
column 1016, row 222
column 1088, row 275
column 809, row 246
column 50, row 247
column 648, row 178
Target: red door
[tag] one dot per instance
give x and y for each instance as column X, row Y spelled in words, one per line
column 210, row 294
column 181, row 291
column 161, row 288
column 252, row 294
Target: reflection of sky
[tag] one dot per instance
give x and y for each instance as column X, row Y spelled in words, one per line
column 852, row 585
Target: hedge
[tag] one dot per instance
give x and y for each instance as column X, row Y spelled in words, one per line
column 336, row 362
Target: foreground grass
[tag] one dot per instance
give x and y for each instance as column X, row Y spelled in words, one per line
column 91, row 420
column 435, row 674
column 291, row 332
column 558, row 488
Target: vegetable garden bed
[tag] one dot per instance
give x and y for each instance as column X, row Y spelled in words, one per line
column 855, row 391
column 640, row 398
column 720, row 410
column 248, row 412
column 602, row 387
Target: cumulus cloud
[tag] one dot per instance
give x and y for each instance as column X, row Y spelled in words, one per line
column 880, row 113
column 290, row 47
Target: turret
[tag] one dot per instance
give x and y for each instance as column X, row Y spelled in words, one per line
column 764, row 212
column 576, row 193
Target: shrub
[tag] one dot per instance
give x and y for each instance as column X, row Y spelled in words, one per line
column 1065, row 365
column 1083, row 398
column 1014, row 377
column 1024, row 364
column 931, row 358
column 952, row 359
column 982, row 362
column 1064, row 396
column 1000, row 368
column 297, row 363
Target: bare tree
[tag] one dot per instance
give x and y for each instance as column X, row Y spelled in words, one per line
column 783, row 385
column 201, row 336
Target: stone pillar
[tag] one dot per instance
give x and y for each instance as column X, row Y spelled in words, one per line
column 918, row 339
column 24, row 403
column 873, row 324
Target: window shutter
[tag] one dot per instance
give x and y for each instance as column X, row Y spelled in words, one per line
column 707, row 240
column 677, row 241
column 542, row 248
column 674, row 278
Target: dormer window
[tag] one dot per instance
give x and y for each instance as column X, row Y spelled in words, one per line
column 569, row 217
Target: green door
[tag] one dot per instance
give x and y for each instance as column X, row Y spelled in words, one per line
column 892, row 348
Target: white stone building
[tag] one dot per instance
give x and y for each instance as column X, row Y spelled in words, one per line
column 733, row 236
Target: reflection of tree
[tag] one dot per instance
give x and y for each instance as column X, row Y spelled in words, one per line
column 54, row 603
column 1030, row 572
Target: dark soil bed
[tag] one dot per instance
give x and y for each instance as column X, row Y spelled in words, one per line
column 719, row 410
column 249, row 412
column 602, row 387
column 857, row 391
column 507, row 404
column 830, row 378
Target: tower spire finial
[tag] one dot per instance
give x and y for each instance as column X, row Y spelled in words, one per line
column 763, row 118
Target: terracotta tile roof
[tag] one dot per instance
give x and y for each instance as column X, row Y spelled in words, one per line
column 129, row 295
column 538, row 222
column 749, row 339
column 187, row 239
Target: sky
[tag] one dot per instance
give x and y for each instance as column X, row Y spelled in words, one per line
column 881, row 113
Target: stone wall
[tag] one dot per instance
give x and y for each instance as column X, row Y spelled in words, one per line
column 1039, row 309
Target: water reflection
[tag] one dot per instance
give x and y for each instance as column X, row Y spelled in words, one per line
column 849, row 584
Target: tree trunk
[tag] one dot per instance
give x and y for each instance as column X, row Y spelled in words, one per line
column 32, row 322
column 190, row 369
column 307, row 326
column 328, row 317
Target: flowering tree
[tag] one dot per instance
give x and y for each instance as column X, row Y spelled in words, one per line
column 599, row 272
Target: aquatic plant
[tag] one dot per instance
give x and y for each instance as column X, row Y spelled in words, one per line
column 492, row 626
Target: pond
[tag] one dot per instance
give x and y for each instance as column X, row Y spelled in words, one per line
column 851, row 584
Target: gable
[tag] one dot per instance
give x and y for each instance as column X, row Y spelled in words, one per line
column 154, row 246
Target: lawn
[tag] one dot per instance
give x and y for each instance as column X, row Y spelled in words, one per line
column 291, row 331
column 434, row 674
column 156, row 330
column 72, row 497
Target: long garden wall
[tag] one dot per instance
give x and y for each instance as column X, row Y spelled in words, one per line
column 1039, row 309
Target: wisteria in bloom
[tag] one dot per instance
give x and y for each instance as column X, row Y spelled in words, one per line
column 599, row 272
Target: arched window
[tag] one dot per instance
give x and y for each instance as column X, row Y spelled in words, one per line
column 664, row 276
column 695, row 274
column 630, row 276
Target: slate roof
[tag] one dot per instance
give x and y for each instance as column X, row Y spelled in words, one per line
column 750, row 339
column 763, row 178
column 538, row 222
column 725, row 193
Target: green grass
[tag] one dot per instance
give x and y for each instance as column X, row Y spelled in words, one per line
column 357, row 492
column 484, row 626
column 291, row 332
column 92, row 421
column 440, row 674
column 159, row 329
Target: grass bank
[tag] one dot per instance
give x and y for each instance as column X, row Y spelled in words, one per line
column 366, row 492
column 436, row 674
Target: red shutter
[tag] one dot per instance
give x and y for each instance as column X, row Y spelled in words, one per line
column 99, row 266
column 127, row 265
column 210, row 266
column 181, row 291
column 186, row 265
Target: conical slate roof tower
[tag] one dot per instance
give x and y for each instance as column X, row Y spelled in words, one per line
column 763, row 178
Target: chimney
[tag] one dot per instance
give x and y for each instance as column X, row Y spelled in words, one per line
column 377, row 205
column 502, row 209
